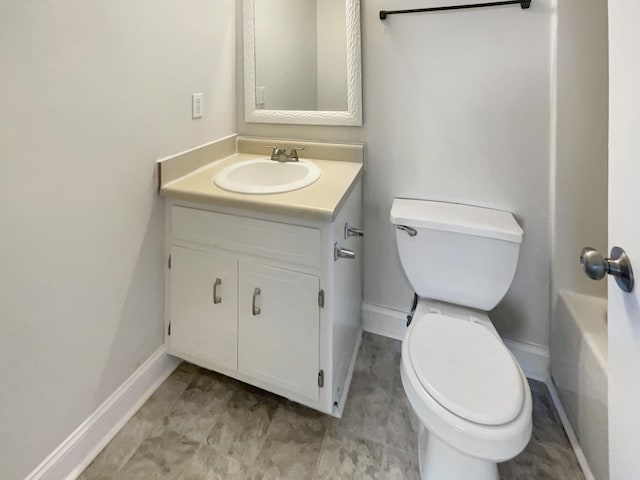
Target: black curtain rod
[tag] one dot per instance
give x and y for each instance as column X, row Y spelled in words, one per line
column 523, row 4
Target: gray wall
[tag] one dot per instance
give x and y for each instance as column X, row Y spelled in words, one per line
column 91, row 94
column 456, row 107
column 581, row 172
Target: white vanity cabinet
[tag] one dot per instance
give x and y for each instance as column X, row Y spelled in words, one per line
column 279, row 332
column 261, row 297
column 204, row 303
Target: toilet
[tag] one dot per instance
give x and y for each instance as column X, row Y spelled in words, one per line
column 466, row 388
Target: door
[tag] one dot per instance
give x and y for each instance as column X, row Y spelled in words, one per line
column 204, row 302
column 624, row 231
column 279, row 327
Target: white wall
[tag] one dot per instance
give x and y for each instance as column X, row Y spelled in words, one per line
column 581, row 146
column 286, row 59
column 456, row 106
column 92, row 93
column 624, row 230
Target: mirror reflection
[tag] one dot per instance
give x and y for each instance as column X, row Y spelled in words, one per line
column 301, row 55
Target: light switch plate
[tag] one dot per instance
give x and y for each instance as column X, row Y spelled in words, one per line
column 196, row 105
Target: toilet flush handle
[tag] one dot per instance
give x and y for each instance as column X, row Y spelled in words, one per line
column 412, row 232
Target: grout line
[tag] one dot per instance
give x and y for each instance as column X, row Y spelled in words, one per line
column 264, row 439
column 150, row 424
column 314, row 475
column 382, row 455
column 129, row 456
column 254, row 466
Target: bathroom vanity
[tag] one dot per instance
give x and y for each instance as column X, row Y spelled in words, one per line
column 267, row 288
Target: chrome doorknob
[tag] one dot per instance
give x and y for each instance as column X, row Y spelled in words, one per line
column 595, row 266
column 593, row 263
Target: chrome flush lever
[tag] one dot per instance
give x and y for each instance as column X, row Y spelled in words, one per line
column 412, row 232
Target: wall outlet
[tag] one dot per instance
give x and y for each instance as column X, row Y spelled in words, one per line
column 196, row 105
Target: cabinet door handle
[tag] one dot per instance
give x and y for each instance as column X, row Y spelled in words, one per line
column 216, row 284
column 255, row 310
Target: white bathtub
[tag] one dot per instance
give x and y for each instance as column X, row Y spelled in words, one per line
column 578, row 347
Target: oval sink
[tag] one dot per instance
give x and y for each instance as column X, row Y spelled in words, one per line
column 267, row 176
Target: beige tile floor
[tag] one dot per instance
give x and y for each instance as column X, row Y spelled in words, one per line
column 202, row 425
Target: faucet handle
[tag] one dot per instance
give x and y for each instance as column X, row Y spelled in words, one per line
column 275, row 151
column 294, row 153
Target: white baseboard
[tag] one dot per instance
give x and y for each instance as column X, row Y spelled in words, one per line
column 573, row 439
column 79, row 449
column 384, row 321
column 533, row 359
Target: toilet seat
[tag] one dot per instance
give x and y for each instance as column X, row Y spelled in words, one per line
column 490, row 442
column 466, row 369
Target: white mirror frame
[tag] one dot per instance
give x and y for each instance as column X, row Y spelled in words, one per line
column 351, row 116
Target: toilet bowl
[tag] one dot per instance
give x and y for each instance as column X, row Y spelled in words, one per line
column 465, row 386
column 469, row 393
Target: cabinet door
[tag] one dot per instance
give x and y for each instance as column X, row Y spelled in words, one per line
column 204, row 303
column 279, row 344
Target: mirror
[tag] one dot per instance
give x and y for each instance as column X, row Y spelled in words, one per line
column 302, row 62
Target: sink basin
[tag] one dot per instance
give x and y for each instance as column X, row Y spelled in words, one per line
column 263, row 175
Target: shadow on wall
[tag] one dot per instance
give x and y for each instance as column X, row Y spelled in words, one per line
column 146, row 282
column 508, row 315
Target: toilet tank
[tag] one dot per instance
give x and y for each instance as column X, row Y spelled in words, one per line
column 460, row 254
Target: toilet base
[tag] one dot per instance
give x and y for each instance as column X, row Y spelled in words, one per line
column 439, row 461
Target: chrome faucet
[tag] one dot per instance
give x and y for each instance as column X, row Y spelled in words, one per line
column 280, row 154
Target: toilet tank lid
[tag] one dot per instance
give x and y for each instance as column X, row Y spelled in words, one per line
column 455, row 217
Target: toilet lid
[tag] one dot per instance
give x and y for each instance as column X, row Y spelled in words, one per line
column 466, row 369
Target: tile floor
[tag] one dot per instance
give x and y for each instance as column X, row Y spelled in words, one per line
column 201, row 425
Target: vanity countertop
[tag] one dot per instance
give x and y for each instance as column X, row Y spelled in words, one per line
column 319, row 201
